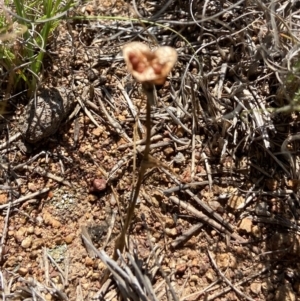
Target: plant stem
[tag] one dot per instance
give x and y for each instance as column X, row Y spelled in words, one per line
column 120, row 241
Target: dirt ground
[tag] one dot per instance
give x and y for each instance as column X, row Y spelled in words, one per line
column 218, row 219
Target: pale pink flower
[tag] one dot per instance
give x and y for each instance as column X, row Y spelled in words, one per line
column 148, row 66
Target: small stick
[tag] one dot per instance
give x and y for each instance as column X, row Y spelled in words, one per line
column 129, row 156
column 206, row 219
column 79, row 293
column 194, row 130
column 218, row 217
column 130, row 106
column 101, row 293
column 139, row 142
column 25, row 198
column 86, row 237
column 277, row 161
column 110, row 228
column 193, row 149
column 47, row 174
column 76, row 131
column 73, row 114
column 182, row 141
column 221, row 79
column 208, row 169
column 118, row 165
column 240, row 293
column 56, row 265
column 46, row 266
column 177, row 121
column 196, row 295
column 88, row 113
column 140, row 148
column 10, row 140
column 186, row 235
column 20, row 166
column 66, row 264
column 112, row 121
column 184, row 186
column 202, row 204
column 4, row 232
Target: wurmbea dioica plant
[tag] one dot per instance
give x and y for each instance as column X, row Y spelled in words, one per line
column 149, row 68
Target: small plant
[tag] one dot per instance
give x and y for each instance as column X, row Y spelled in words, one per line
column 149, row 68
column 22, row 58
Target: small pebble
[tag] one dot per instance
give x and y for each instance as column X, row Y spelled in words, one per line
column 38, row 231
column 171, row 232
column 37, row 243
column 19, row 234
column 50, row 220
column 23, row 271
column 195, row 262
column 256, row 231
column 30, row 230
column 26, row 242
column 216, row 206
column 236, row 202
column 225, row 260
column 180, row 268
column 99, row 185
column 262, row 209
column 3, row 199
column 86, row 286
column 11, row 261
column 210, row 275
column 194, row 278
column 69, row 238
column 48, row 297
column 246, row 225
column 113, row 201
column 179, row 158
column 89, row 261
column 92, row 198
column 255, row 288
column 95, row 276
column 98, row 131
column 32, row 187
column 169, row 222
column 168, row 151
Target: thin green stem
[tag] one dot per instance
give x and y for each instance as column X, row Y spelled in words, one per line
column 46, row 13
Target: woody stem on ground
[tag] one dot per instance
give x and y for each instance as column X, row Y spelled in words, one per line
column 120, row 242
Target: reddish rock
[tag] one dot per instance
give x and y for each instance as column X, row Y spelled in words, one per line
column 99, row 185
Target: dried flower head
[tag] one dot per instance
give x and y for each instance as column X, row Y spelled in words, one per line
column 148, row 66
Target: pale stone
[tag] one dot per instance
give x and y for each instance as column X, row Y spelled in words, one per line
column 225, row 260
column 246, row 225
column 69, row 238
column 26, row 242
column 171, row 232
column 236, row 202
column 255, row 288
